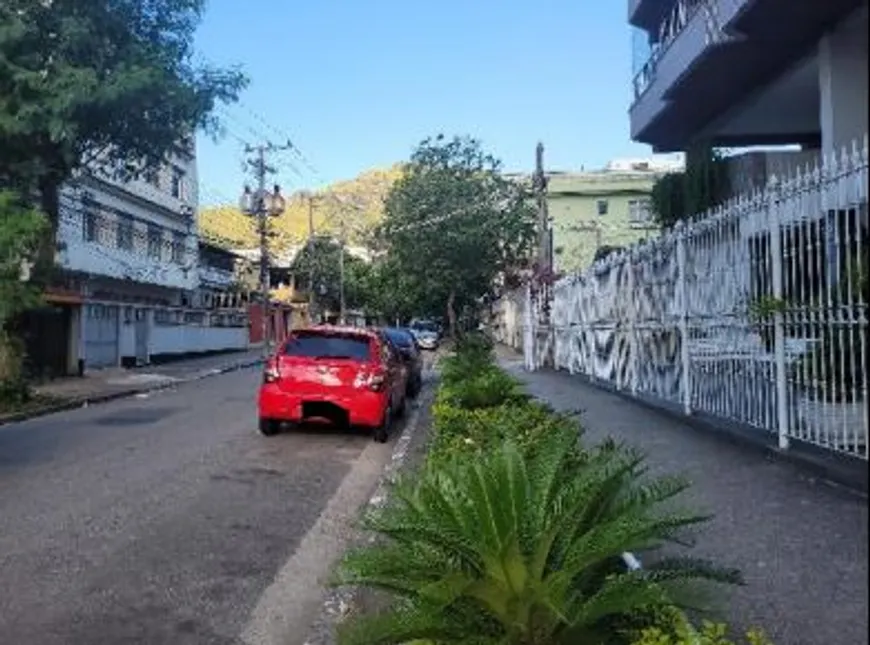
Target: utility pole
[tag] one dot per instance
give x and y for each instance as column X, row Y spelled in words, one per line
column 539, row 184
column 262, row 205
column 343, row 224
column 545, row 241
column 342, row 307
column 309, row 245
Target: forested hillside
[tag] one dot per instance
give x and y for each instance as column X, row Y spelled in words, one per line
column 226, row 225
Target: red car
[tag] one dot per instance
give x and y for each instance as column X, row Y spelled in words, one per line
column 349, row 376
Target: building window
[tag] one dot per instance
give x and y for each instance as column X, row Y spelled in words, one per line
column 90, row 219
column 155, row 242
column 188, row 145
column 178, row 248
column 125, row 232
column 152, row 176
column 177, row 183
column 602, row 206
column 639, row 211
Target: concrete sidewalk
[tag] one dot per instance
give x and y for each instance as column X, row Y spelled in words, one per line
column 800, row 543
column 114, row 383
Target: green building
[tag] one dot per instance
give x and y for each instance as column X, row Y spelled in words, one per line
column 591, row 210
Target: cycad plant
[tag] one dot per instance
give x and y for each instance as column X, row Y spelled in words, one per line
column 519, row 549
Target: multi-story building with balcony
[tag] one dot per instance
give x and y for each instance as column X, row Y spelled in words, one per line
column 738, row 73
column 130, row 248
column 217, row 276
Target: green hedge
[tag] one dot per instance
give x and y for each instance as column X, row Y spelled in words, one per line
column 512, row 532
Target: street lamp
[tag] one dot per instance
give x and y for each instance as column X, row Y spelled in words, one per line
column 263, row 204
column 246, row 202
column 274, row 202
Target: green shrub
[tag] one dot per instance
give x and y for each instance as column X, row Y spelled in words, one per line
column 458, row 431
column 485, row 388
column 709, row 634
column 459, row 368
column 475, row 343
column 521, row 549
column 472, row 355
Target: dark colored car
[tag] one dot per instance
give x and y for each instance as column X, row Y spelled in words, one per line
column 405, row 343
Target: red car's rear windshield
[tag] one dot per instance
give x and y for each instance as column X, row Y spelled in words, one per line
column 314, row 345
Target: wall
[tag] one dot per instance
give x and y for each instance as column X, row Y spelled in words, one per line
column 102, row 255
column 843, row 83
column 255, row 324
column 752, row 170
column 283, row 319
column 184, row 339
column 160, row 189
column 578, row 229
column 165, row 199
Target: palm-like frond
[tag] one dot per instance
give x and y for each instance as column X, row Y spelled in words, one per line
column 522, row 548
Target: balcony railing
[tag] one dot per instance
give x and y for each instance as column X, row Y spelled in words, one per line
column 215, row 276
column 671, row 27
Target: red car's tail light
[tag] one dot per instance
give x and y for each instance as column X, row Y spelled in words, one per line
column 376, row 382
column 372, row 380
column 271, row 374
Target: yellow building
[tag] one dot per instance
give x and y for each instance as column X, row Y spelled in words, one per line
column 591, row 210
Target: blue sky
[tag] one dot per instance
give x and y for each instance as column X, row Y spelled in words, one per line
column 357, row 83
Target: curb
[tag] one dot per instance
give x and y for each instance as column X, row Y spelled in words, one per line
column 80, row 402
column 338, row 603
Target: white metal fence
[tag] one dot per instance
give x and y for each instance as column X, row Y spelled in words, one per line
column 755, row 312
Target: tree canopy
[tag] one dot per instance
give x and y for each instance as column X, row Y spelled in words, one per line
column 21, row 230
column 703, row 185
column 321, row 260
column 111, row 84
column 454, row 225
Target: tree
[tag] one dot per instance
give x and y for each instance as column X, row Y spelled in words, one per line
column 391, row 293
column 321, row 259
column 21, row 230
column 110, row 85
column 704, row 184
column 453, row 225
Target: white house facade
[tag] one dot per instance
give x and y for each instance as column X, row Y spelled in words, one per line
column 133, row 249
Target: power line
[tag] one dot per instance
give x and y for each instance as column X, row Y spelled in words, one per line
column 275, row 131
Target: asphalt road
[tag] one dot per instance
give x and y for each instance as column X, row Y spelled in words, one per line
column 170, row 520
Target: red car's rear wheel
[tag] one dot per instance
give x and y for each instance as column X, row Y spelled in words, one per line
column 382, row 432
column 269, row 427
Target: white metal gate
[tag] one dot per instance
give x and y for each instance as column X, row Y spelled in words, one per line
column 101, row 335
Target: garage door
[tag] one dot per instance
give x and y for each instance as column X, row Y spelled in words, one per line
column 101, row 336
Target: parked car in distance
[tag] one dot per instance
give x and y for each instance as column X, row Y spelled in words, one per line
column 426, row 333
column 350, row 376
column 405, row 343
